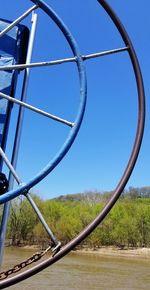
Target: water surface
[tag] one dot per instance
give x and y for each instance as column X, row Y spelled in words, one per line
column 86, row 272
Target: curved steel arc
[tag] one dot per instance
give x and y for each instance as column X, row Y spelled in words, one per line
column 127, row 172
column 76, row 125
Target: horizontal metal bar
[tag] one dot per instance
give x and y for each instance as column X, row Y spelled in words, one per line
column 103, row 53
column 15, row 22
column 37, row 64
column 61, row 61
column 39, row 111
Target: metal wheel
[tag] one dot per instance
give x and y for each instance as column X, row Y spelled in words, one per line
column 23, row 189
column 75, row 125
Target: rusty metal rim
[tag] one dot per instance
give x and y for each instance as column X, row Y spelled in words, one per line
column 129, row 168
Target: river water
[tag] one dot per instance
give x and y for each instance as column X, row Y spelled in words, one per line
column 86, row 272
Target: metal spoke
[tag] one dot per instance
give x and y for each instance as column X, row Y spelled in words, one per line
column 39, row 111
column 9, row 165
column 40, row 216
column 103, row 53
column 15, row 22
column 61, row 61
column 31, row 201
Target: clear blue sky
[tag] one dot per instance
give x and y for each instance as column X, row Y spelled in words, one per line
column 97, row 158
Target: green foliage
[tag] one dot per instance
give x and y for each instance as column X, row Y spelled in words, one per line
column 127, row 225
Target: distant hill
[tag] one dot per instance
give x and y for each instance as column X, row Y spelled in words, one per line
column 93, row 197
column 86, row 197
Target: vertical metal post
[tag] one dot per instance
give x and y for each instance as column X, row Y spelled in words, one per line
column 17, row 134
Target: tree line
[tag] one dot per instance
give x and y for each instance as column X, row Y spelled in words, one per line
column 127, row 225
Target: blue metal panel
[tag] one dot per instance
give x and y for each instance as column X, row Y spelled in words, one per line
column 12, row 50
column 5, row 87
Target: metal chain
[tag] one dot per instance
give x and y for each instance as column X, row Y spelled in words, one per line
column 34, row 258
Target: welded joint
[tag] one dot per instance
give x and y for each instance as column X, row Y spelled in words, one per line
column 56, row 249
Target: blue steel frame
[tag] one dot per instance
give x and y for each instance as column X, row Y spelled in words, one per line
column 23, row 188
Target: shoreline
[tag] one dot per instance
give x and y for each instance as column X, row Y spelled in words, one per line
column 114, row 251
column 103, row 251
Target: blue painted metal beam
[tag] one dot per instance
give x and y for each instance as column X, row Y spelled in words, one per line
column 13, row 46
